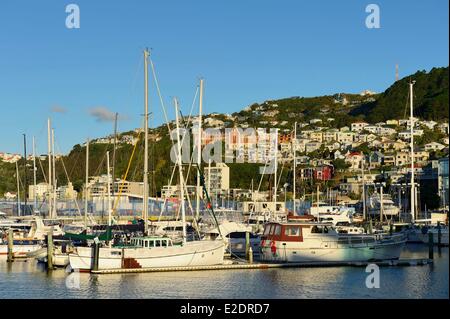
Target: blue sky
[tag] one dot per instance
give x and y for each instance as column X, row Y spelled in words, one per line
column 247, row 51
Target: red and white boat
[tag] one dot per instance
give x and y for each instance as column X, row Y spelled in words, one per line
column 306, row 241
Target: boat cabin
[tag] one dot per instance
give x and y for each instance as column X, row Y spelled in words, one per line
column 293, row 231
column 151, row 242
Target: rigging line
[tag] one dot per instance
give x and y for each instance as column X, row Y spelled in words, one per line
column 75, row 163
column 139, row 156
column 67, row 175
column 175, row 166
column 189, row 120
column 100, row 166
column 168, row 127
column 281, row 173
column 167, row 196
column 262, row 175
column 124, row 177
column 42, row 169
column 160, row 96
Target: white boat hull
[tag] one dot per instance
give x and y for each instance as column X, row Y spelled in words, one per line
column 331, row 251
column 59, row 260
column 198, row 253
column 19, row 250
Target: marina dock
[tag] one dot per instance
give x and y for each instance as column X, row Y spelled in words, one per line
column 385, row 263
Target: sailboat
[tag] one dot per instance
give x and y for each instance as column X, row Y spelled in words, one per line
column 151, row 251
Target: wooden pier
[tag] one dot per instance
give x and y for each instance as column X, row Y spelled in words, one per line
column 386, row 263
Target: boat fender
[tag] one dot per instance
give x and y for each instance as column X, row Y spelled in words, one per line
column 273, row 247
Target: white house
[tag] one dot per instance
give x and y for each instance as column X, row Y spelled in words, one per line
column 355, row 159
column 434, row 146
column 358, row 126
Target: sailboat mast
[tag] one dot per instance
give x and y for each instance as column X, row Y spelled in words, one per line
column 54, row 174
column 199, row 149
column 18, row 189
column 49, row 158
column 25, row 186
column 34, row 173
column 108, row 189
column 180, row 170
column 145, row 188
column 86, row 184
column 276, row 168
column 381, row 204
column 413, row 186
column 318, row 199
column 295, row 164
column 363, row 189
column 114, row 152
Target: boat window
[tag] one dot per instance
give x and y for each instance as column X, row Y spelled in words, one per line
column 157, row 243
column 356, row 240
column 277, row 230
column 316, row 230
column 267, row 230
column 146, row 243
column 164, row 243
column 272, row 228
column 292, row 231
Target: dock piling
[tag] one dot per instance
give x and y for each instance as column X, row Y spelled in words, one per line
column 50, row 250
column 430, row 245
column 439, row 234
column 10, row 246
column 247, row 244
column 96, row 248
column 250, row 255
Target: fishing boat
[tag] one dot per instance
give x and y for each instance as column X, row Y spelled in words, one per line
column 151, row 251
column 320, row 242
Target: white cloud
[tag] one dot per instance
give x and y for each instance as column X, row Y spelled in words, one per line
column 102, row 114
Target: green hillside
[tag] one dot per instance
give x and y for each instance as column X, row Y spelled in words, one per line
column 431, row 102
column 430, row 98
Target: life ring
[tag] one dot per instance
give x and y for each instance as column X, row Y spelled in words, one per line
column 273, row 247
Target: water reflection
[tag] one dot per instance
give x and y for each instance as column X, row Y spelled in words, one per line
column 31, row 280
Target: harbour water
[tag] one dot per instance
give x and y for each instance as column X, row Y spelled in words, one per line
column 29, row 280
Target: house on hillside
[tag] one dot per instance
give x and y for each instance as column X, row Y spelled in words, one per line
column 355, row 159
column 434, row 146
